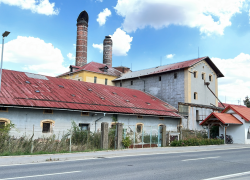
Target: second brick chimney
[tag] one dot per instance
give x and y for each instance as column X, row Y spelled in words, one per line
column 107, row 51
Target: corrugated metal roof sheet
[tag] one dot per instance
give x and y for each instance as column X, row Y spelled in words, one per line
column 95, row 67
column 69, row 94
column 170, row 67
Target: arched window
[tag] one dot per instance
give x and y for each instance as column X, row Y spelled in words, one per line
column 47, row 125
column 195, row 95
column 139, row 127
column 4, row 122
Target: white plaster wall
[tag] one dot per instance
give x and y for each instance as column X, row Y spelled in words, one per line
column 25, row 119
column 247, row 134
column 192, row 123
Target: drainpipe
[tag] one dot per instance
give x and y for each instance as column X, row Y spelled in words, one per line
column 143, row 82
column 207, row 83
column 98, row 120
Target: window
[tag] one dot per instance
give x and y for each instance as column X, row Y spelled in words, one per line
column 203, row 76
column 139, row 117
column 175, row 75
column 46, row 127
column 139, row 128
column 197, row 114
column 161, row 118
column 95, row 78
column 2, row 124
column 210, row 77
column 195, row 74
column 195, row 95
column 85, row 113
column 79, row 79
column 131, row 83
column 106, row 81
column 47, row 111
column 83, row 127
column 159, row 78
column 3, row 109
column 120, row 84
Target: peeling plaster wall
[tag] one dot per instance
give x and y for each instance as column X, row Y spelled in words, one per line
column 25, row 119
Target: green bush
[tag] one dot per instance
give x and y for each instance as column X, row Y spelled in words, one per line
column 196, row 142
column 126, row 142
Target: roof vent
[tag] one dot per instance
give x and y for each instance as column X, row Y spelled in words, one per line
column 147, row 103
column 127, row 100
column 134, row 95
column 89, row 89
column 61, row 86
column 153, row 98
column 114, row 92
column 27, row 82
column 102, row 98
column 37, row 91
column 73, row 95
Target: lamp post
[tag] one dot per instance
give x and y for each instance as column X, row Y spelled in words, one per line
column 5, row 34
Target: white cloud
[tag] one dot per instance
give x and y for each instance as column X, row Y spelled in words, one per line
column 100, row 0
column 121, row 43
column 170, row 56
column 70, row 56
column 236, row 83
column 102, row 16
column 34, row 55
column 36, row 6
column 210, row 16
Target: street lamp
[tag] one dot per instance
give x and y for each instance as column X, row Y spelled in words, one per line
column 5, row 34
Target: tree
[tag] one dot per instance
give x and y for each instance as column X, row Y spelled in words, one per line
column 247, row 102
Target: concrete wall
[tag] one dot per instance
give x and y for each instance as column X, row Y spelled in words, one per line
column 25, row 119
column 169, row 89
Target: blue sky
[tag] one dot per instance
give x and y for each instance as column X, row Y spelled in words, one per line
column 144, row 32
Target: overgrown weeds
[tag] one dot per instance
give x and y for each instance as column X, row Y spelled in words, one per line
column 196, row 142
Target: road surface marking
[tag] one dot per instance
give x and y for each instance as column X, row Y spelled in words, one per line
column 229, row 176
column 200, row 158
column 42, row 175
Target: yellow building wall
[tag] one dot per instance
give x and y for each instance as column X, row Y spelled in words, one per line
column 87, row 76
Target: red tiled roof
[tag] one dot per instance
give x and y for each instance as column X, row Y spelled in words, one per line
column 170, row 67
column 95, row 67
column 222, row 117
column 77, row 95
column 243, row 111
column 226, row 104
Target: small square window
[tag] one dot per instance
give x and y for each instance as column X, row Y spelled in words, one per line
column 139, row 117
column 161, row 118
column 48, row 111
column 85, row 113
column 131, row 83
column 159, row 78
column 175, row 75
column 3, row 109
column 83, row 127
column 46, row 127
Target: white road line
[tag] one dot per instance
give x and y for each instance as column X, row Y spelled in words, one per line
column 200, row 158
column 42, row 175
column 229, row 176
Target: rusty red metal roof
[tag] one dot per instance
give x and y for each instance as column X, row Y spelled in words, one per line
column 169, row 67
column 226, row 105
column 19, row 89
column 222, row 117
column 95, row 67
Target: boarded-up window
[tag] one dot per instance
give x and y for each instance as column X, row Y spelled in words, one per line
column 46, row 127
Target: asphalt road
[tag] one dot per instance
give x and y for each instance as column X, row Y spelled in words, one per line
column 223, row 164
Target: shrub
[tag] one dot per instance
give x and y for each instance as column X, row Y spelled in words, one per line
column 196, row 142
column 126, row 142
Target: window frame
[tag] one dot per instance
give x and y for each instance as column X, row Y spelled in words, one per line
column 51, row 122
column 141, row 129
column 195, row 74
column 84, row 125
column 95, row 79
column 195, row 96
column 203, row 76
column 106, row 81
column 210, row 77
column 84, row 113
column 44, row 111
column 1, row 109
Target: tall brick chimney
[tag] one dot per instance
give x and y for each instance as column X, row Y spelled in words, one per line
column 107, row 51
column 82, row 38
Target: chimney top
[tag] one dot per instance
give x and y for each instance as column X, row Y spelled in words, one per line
column 107, row 37
column 83, row 17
